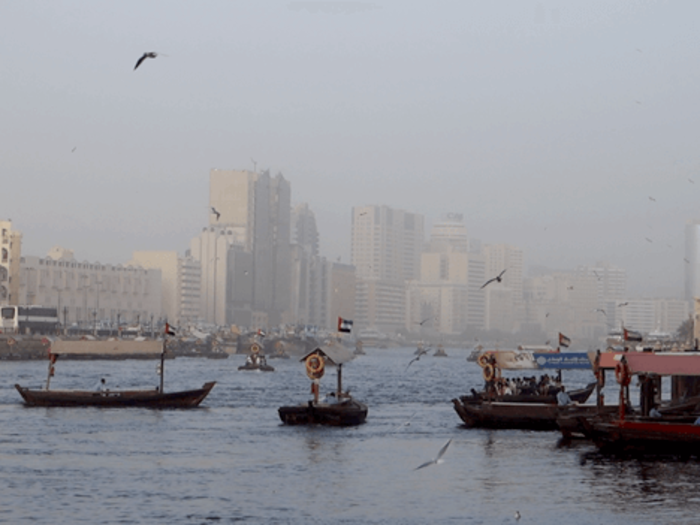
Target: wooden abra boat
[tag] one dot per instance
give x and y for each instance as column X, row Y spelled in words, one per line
column 672, row 429
column 494, row 408
column 256, row 361
column 339, row 408
column 115, row 398
column 151, row 398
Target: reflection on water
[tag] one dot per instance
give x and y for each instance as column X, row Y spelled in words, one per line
column 233, row 461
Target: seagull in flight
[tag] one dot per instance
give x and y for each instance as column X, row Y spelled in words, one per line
column 498, row 278
column 151, row 54
column 624, row 304
column 652, row 199
column 601, row 311
column 213, row 210
column 438, row 459
column 424, row 321
column 423, row 351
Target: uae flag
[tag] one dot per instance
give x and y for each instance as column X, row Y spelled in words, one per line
column 564, row 341
column 344, row 325
column 631, row 335
column 261, row 332
column 169, row 330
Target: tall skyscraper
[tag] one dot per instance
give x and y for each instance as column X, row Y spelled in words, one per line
column 692, row 261
column 386, row 250
column 504, row 299
column 253, row 210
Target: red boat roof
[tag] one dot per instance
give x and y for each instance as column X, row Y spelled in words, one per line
column 667, row 363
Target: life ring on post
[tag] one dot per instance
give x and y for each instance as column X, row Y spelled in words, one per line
column 622, row 373
column 483, row 360
column 314, row 366
column 489, row 372
column 255, row 348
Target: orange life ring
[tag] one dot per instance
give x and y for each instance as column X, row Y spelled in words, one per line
column 314, row 366
column 622, row 373
column 483, row 360
column 255, row 348
column 489, row 372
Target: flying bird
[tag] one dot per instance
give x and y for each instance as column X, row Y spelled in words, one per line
column 417, row 358
column 213, row 210
column 498, row 278
column 691, row 180
column 73, row 150
column 623, row 304
column 601, row 311
column 652, row 199
column 686, row 260
column 648, row 239
column 517, row 513
column 438, row 459
column 424, row 321
column 151, row 54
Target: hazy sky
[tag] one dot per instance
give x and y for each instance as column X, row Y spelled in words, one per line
column 550, row 125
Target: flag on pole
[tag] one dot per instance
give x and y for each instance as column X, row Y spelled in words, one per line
column 169, row 330
column 564, row 341
column 261, row 332
column 631, row 335
column 344, row 325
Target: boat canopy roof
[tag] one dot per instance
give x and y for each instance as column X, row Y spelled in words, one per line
column 528, row 360
column 664, row 363
column 334, row 355
column 118, row 347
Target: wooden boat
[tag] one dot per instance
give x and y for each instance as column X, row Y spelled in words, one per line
column 339, row 408
column 115, row 398
column 493, row 408
column 256, row 361
column 440, row 352
column 148, row 398
column 673, row 429
column 515, row 411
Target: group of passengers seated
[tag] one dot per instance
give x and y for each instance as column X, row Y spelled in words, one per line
column 527, row 386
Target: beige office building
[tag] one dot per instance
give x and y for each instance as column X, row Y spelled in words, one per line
column 11, row 252
column 91, row 294
column 180, row 284
column 386, row 252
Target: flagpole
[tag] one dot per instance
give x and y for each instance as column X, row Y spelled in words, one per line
column 162, row 363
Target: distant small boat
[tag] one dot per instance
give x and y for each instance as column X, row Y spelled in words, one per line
column 440, row 352
column 256, row 361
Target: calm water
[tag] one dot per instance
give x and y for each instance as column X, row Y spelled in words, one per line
column 232, row 461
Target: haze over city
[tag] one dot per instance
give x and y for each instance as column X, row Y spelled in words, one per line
column 565, row 129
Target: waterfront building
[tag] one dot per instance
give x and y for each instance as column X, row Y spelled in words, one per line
column 692, row 261
column 180, row 284
column 252, row 211
column 226, row 277
column 448, row 298
column 386, row 251
column 504, row 300
column 10, row 254
column 91, row 294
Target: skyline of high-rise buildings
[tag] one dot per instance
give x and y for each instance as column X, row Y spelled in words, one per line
column 258, row 263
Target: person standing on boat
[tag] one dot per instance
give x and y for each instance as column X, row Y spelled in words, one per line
column 102, row 385
column 563, row 398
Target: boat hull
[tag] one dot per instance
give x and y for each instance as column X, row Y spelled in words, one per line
column 347, row 413
column 115, row 398
column 520, row 412
column 668, row 436
column 262, row 368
